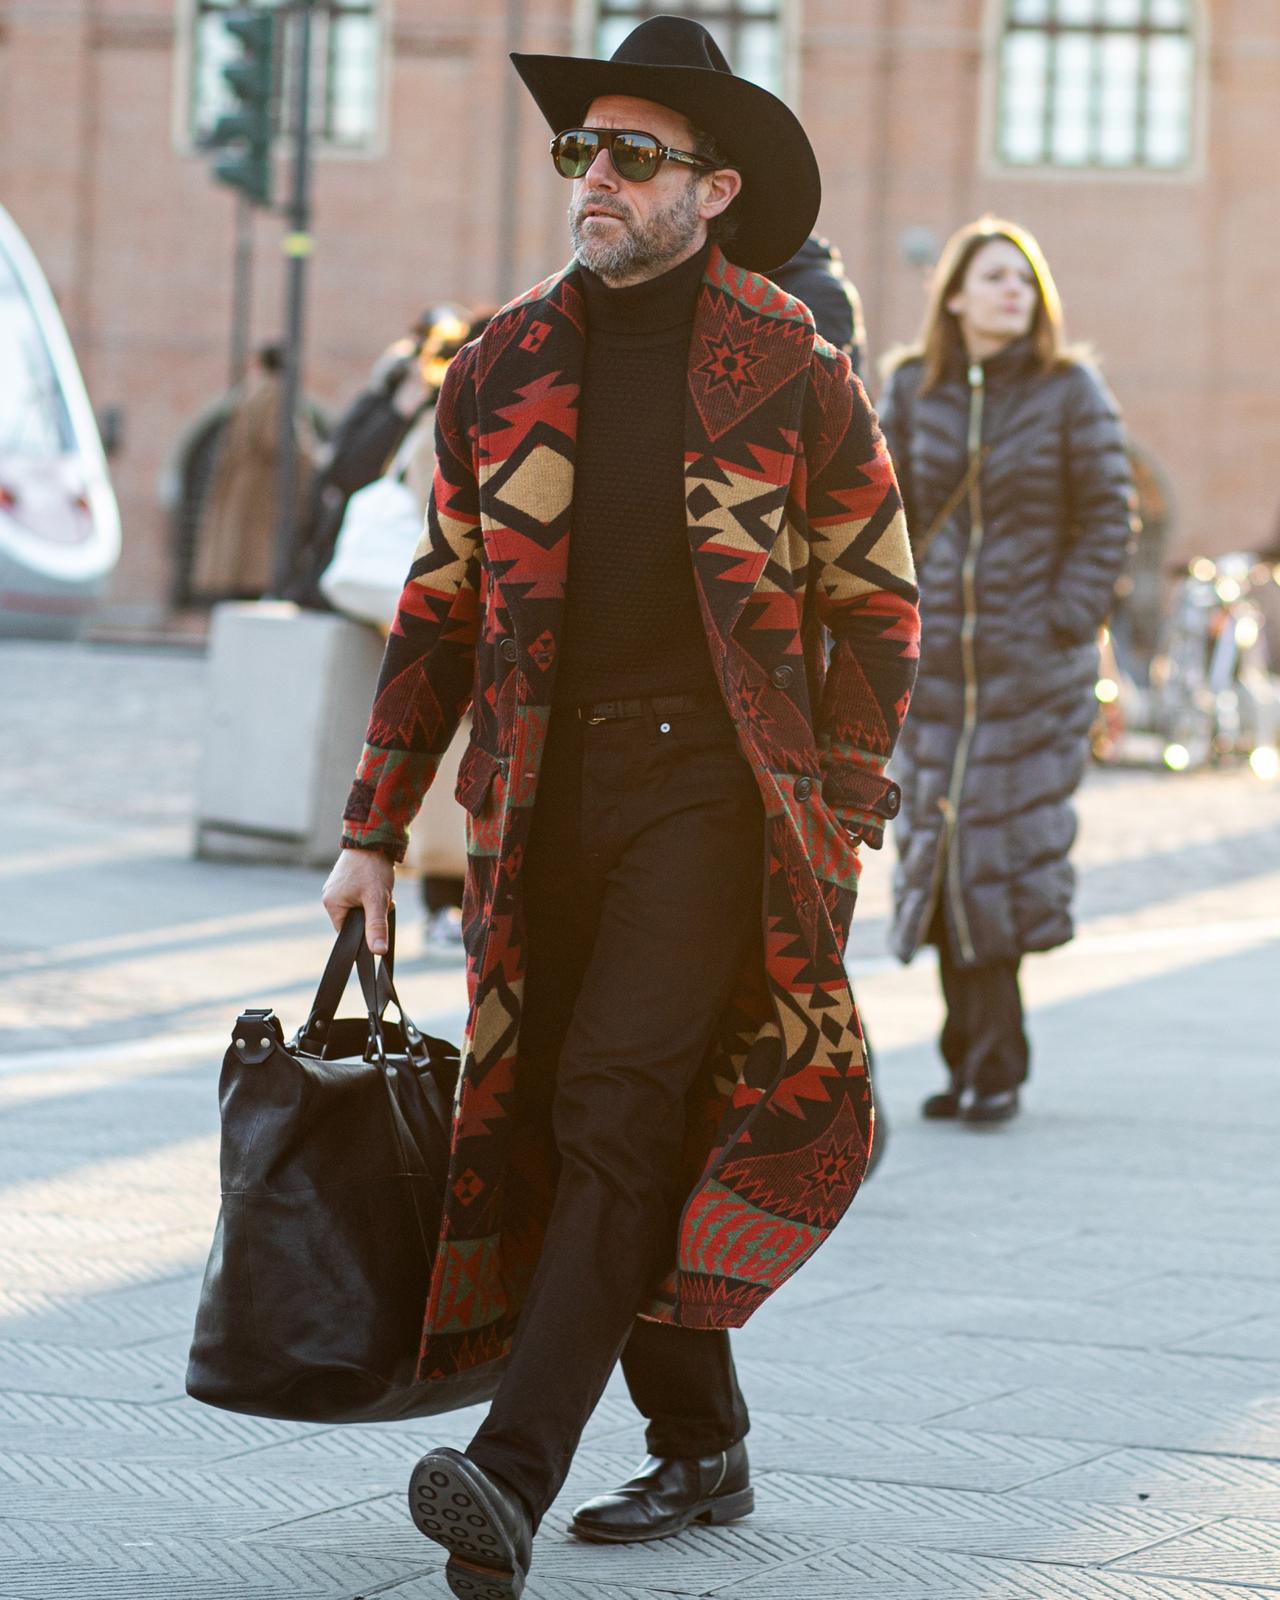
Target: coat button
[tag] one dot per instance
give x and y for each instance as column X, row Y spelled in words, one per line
column 892, row 801
column 510, row 650
column 803, row 788
column 781, row 677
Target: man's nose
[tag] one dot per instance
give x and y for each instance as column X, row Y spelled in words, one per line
column 601, row 174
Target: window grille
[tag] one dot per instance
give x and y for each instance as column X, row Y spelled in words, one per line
column 1097, row 84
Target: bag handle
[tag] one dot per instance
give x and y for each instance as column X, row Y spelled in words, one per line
column 333, row 981
column 379, row 991
column 350, row 949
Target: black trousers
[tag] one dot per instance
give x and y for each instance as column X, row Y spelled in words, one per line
column 643, row 888
column 984, row 1041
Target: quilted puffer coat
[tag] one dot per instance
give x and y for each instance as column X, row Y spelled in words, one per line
column 1017, row 574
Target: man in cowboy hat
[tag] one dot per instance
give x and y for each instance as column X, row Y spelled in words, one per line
column 664, row 1103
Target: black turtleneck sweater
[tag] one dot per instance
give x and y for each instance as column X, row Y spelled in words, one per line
column 632, row 623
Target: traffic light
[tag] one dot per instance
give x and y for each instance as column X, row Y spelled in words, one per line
column 246, row 132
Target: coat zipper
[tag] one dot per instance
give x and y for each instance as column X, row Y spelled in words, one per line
column 948, row 858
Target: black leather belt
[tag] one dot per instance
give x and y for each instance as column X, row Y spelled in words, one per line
column 661, row 705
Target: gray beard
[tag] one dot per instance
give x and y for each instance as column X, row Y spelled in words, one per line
column 636, row 249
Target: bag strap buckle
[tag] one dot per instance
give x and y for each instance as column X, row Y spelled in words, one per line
column 257, row 1033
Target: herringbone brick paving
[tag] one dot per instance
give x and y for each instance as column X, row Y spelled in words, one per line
column 1043, row 1362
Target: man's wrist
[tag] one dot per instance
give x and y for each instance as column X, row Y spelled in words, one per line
column 373, row 847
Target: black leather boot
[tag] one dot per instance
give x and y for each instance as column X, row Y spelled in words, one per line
column 666, row 1495
column 987, row 1108
column 944, row 1104
column 484, row 1526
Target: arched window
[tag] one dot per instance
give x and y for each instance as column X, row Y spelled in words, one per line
column 1097, row 83
column 750, row 32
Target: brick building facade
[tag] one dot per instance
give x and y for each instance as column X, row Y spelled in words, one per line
column 1135, row 137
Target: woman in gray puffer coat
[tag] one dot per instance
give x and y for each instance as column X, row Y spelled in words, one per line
column 1012, row 464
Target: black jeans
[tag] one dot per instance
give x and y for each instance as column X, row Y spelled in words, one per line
column 984, row 1042
column 643, row 886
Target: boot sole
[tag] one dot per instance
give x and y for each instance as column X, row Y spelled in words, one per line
column 987, row 1119
column 452, row 1504
column 725, row 1508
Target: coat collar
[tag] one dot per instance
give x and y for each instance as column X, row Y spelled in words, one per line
column 1014, row 361
column 749, row 359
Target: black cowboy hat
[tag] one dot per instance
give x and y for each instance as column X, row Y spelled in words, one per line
column 675, row 62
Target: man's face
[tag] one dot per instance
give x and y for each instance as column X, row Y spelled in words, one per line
column 627, row 232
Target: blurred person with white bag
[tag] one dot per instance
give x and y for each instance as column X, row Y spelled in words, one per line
column 380, row 531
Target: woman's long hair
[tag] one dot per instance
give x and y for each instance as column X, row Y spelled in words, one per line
column 941, row 341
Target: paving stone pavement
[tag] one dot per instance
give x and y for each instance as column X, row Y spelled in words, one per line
column 1042, row 1361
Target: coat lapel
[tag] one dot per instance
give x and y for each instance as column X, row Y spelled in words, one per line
column 748, row 364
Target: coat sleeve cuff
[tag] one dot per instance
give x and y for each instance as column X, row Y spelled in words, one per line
column 863, row 799
column 384, row 799
column 863, row 829
column 392, row 849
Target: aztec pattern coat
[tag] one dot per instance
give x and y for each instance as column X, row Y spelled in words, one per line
column 796, row 527
column 1016, row 581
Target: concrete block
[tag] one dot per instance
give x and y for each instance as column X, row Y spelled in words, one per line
column 288, row 699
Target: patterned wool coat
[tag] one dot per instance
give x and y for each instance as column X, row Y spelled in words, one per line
column 795, row 527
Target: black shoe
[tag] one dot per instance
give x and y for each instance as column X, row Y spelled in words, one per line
column 944, row 1104
column 666, row 1495
column 986, row 1108
column 484, row 1526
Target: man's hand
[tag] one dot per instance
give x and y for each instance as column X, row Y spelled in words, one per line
column 361, row 878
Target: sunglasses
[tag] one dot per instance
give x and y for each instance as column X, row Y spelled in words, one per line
column 636, row 156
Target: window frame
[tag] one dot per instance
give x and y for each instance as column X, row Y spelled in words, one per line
column 993, row 164
column 587, row 17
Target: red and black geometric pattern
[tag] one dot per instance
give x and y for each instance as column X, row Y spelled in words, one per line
column 797, row 537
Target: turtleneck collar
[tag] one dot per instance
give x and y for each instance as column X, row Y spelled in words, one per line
column 655, row 306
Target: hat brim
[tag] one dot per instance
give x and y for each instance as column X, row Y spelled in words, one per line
column 762, row 137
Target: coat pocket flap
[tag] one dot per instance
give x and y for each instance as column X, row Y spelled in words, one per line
column 861, row 789
column 476, row 772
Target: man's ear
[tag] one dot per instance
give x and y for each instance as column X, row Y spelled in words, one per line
column 723, row 187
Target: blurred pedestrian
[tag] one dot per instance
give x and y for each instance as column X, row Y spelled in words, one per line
column 816, row 275
column 235, row 544
column 663, row 1107
column 1012, row 463
column 369, row 517
column 400, row 394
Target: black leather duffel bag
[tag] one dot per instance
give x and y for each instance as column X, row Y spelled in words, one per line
column 335, row 1152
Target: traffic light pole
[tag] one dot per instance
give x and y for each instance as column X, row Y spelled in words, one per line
column 297, row 247
column 242, row 290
